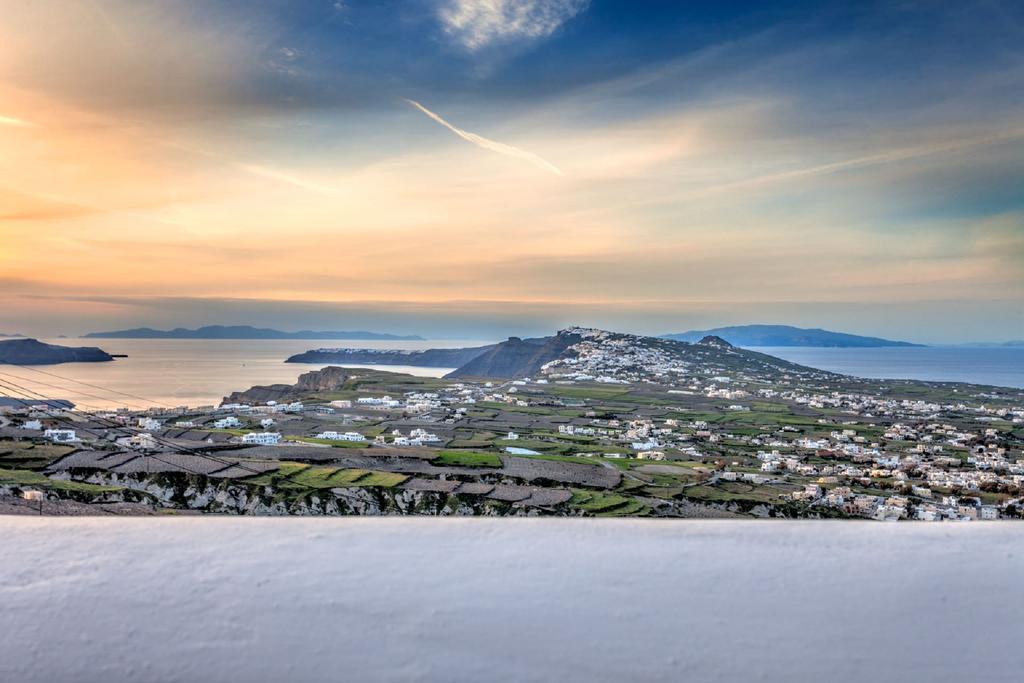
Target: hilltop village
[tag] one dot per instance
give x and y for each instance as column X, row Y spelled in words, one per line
column 586, row 422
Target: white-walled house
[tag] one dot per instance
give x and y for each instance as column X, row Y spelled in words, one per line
column 339, row 436
column 227, row 422
column 142, row 441
column 61, row 435
column 989, row 512
column 262, row 438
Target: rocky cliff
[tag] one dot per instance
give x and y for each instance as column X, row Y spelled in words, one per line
column 325, row 379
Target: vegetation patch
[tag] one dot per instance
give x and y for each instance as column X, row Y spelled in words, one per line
column 382, row 479
column 34, row 479
column 314, row 477
column 28, row 455
column 466, row 459
column 606, row 504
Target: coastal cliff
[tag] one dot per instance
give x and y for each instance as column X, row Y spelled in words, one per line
column 326, row 379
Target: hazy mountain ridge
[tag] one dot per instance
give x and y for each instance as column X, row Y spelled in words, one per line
column 429, row 358
column 787, row 335
column 1012, row 344
column 243, row 332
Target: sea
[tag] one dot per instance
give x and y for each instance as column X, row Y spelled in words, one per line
column 198, row 372
column 189, row 372
column 1001, row 367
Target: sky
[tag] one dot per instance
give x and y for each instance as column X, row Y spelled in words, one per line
column 475, row 169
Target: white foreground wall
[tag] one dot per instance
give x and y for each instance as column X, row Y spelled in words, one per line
column 413, row 599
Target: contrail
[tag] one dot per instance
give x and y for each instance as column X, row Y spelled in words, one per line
column 480, row 141
column 892, row 156
column 114, row 30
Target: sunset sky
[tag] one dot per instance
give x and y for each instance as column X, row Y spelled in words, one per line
column 457, row 168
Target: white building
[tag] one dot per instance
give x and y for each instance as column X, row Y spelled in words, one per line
column 421, row 436
column 149, row 424
column 61, row 435
column 227, row 422
column 33, row 424
column 267, row 423
column 378, row 402
column 262, row 438
column 338, row 436
column 142, row 441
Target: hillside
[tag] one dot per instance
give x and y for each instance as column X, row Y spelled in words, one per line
column 242, row 332
column 518, row 357
column 34, row 352
column 588, row 354
column 786, row 335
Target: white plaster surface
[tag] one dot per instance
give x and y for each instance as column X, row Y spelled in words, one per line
column 417, row 599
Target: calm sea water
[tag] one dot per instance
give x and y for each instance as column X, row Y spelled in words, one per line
column 1002, row 367
column 200, row 372
column 190, row 372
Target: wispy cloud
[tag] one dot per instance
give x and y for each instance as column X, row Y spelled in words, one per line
column 284, row 177
column 492, row 145
column 11, row 121
column 881, row 158
column 476, row 24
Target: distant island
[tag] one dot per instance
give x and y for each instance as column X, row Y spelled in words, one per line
column 1012, row 344
column 10, row 336
column 35, row 352
column 429, row 358
column 786, row 335
column 517, row 357
column 243, row 332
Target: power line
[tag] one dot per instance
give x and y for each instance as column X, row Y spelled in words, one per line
column 94, row 386
column 77, row 426
column 160, row 440
column 54, row 386
column 116, row 425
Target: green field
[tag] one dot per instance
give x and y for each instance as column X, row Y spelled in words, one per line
column 26, row 478
column 294, row 476
column 466, row 459
column 606, row 504
column 25, row 454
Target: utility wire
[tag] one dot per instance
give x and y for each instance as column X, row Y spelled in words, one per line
column 78, row 427
column 93, row 386
column 116, row 425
